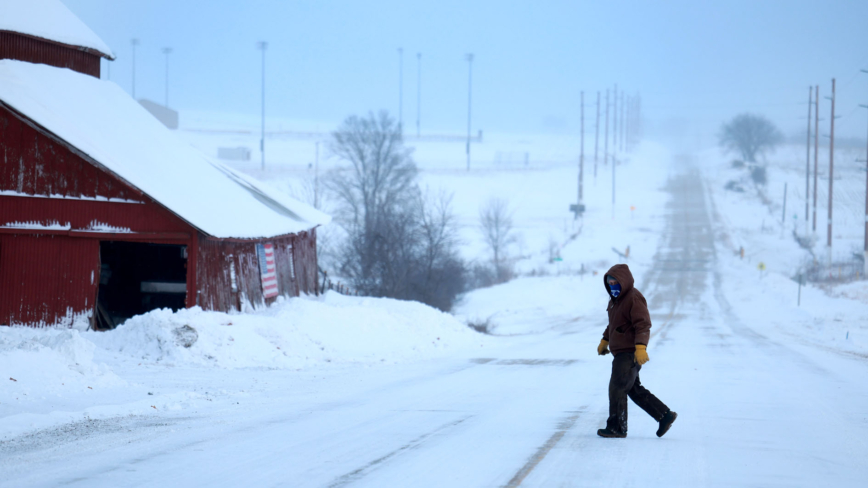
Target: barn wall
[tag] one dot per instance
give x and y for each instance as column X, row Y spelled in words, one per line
column 80, row 214
column 47, row 280
column 36, row 164
column 295, row 258
column 45, row 275
column 34, row 50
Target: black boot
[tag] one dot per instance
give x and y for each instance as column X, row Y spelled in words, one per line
column 666, row 422
column 610, row 433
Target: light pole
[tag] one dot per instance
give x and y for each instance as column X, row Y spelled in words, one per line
column 401, row 90
column 469, row 58
column 831, row 173
column 808, row 161
column 865, row 249
column 582, row 148
column 316, row 178
column 134, row 42
column 418, row 94
column 816, row 155
column 262, row 46
column 167, row 51
column 615, row 122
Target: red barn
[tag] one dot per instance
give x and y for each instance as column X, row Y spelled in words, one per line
column 105, row 213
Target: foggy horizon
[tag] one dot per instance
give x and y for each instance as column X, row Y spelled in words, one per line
column 695, row 65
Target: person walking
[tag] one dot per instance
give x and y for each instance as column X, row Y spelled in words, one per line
column 627, row 335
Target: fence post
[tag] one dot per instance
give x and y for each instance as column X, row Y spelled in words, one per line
column 799, row 301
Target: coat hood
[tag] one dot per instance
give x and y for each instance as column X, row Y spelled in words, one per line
column 621, row 273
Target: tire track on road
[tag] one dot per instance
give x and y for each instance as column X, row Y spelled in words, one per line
column 543, row 450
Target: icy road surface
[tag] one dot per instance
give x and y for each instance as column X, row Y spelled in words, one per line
column 753, row 411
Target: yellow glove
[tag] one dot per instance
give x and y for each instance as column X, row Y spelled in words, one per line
column 641, row 354
column 603, row 348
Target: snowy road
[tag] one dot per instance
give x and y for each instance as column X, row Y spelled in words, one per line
column 753, row 411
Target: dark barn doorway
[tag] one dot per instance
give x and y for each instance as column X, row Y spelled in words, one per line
column 139, row 277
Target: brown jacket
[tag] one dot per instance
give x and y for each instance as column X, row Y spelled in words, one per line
column 629, row 321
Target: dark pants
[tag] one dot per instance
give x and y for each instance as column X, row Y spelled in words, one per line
column 624, row 383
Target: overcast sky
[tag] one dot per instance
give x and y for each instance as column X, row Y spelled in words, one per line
column 696, row 63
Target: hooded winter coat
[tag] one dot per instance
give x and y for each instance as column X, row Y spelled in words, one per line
column 629, row 320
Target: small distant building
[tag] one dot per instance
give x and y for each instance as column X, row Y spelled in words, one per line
column 239, row 153
column 105, row 213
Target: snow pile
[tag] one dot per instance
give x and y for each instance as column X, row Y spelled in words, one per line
column 293, row 333
column 40, row 361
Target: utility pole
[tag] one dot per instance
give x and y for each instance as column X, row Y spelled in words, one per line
column 627, row 123
column 134, row 42
column 582, row 150
column 816, row 152
column 262, row 46
column 167, row 51
column 469, row 58
column 808, row 160
column 401, row 90
column 623, row 117
column 606, row 136
column 596, row 135
column 418, row 94
column 831, row 173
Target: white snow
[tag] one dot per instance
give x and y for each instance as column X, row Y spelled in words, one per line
column 13, row 193
column 96, row 226
column 98, row 118
column 34, row 225
column 335, row 390
column 52, row 20
column 295, row 334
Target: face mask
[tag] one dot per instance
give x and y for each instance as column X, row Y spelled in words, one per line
column 616, row 290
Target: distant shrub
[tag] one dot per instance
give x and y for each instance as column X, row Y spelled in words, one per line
column 737, row 163
column 735, row 186
column 758, row 175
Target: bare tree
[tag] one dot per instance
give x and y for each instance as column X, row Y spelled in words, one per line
column 374, row 195
column 495, row 223
column 750, row 136
column 440, row 272
column 397, row 243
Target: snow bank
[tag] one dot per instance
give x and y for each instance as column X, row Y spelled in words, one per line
column 293, row 333
column 35, row 362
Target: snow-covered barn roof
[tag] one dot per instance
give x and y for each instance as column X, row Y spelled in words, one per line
column 101, row 120
column 51, row 20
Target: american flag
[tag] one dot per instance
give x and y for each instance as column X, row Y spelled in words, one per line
column 268, row 270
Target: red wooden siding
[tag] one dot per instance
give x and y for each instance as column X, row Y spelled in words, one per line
column 215, row 256
column 46, row 280
column 34, row 50
column 36, row 164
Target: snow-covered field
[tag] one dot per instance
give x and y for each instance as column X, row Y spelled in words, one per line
column 335, row 390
